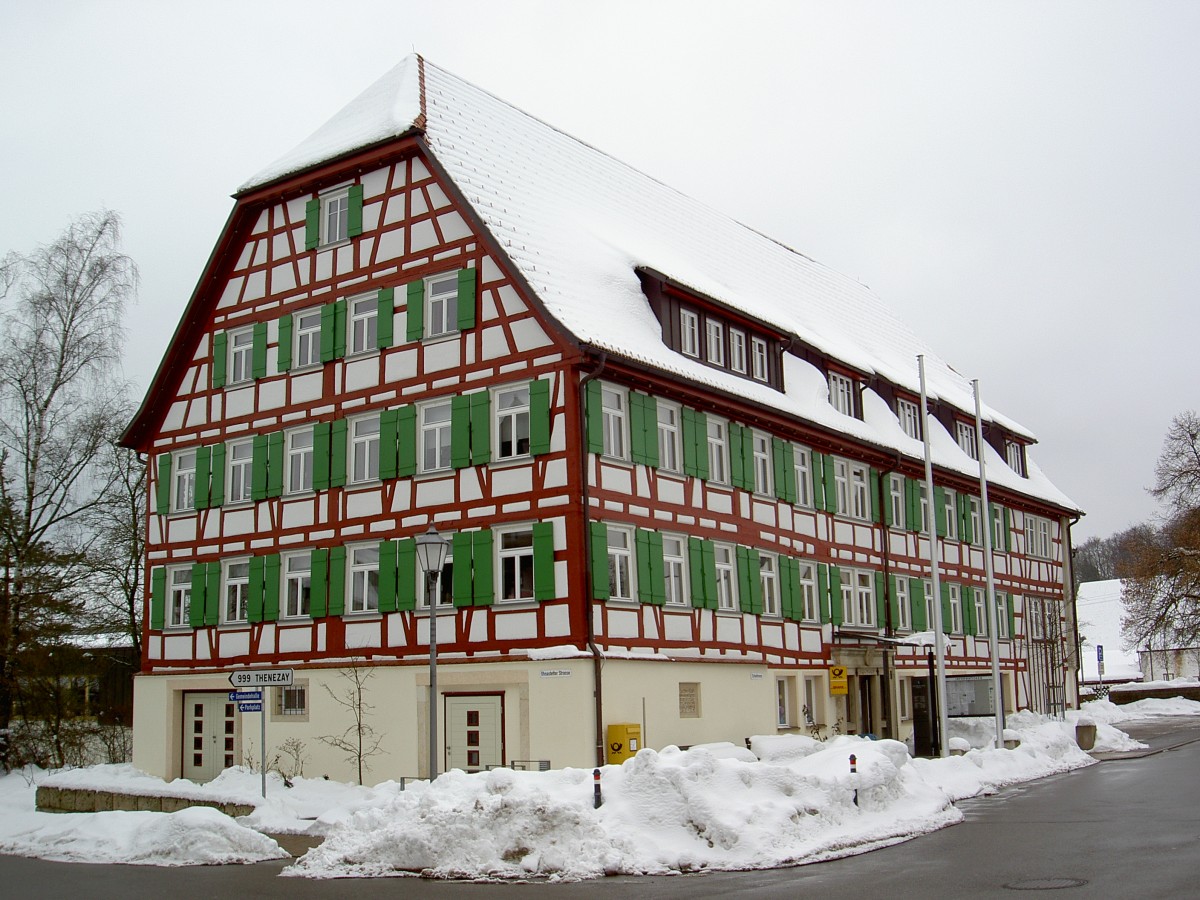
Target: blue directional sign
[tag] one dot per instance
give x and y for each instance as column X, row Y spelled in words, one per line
column 250, row 707
column 244, row 696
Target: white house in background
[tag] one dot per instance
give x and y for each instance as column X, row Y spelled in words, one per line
column 680, row 465
column 1099, row 607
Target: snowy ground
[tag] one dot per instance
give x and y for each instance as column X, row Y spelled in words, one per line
column 791, row 800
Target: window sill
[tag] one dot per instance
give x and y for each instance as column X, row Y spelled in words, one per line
column 431, row 339
column 511, row 461
column 332, row 245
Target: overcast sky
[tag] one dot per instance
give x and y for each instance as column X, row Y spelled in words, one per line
column 1019, row 180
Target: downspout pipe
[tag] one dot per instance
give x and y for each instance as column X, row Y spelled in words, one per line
column 597, row 658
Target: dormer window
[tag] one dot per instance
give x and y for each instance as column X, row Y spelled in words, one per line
column 910, row 418
column 714, row 333
column 964, row 434
column 758, row 359
column 841, row 393
column 1014, row 455
column 737, row 351
column 689, row 333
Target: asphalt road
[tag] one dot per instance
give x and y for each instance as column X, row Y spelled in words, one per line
column 1125, row 828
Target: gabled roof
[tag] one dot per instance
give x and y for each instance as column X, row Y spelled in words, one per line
column 577, row 225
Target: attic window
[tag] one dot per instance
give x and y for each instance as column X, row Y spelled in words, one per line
column 333, row 217
column 841, row 394
column 1014, row 454
column 964, row 434
column 689, row 332
column 910, row 418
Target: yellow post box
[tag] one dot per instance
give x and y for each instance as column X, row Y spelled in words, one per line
column 624, row 741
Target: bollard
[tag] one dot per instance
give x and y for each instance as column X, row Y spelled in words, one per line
column 596, row 787
column 854, row 771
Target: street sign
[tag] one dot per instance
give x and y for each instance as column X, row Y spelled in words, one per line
column 1100, row 652
column 252, row 678
column 839, row 683
column 1100, row 661
column 250, row 707
column 244, row 696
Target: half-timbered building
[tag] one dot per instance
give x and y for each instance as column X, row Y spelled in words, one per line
column 679, row 466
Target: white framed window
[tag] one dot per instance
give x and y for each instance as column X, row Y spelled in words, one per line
column 956, row 617
column 841, row 393
column 852, row 483
column 758, row 359
column 183, row 481
column 241, row 355
column 441, row 304
column 434, row 421
column 763, row 463
column 299, row 452
column 858, row 598
column 237, row 590
column 335, row 216
column 903, row 608
column 614, row 403
column 689, row 333
column 910, row 418
column 714, row 333
column 718, row 451
column 1002, row 602
column 976, row 520
column 802, row 463
column 306, row 338
column 239, row 460
column 737, row 351
column 512, row 421
column 675, row 569
column 904, row 689
column 981, row 611
column 297, row 584
column 179, row 596
column 930, row 606
column 726, row 577
column 950, row 512
column 768, row 579
column 364, row 578
column 620, row 563
column 363, row 325
column 515, row 551
column 998, row 528
column 924, row 510
column 364, row 449
column 814, row 706
column 1037, row 537
column 1034, row 622
column 1014, row 455
column 808, row 592
column 896, row 499
column 964, row 433
column 783, row 702
column 668, row 436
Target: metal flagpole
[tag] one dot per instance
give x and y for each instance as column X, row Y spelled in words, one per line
column 993, row 613
column 934, row 566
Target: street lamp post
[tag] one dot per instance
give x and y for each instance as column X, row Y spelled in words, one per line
column 431, row 554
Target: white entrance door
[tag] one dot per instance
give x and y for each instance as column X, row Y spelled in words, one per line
column 473, row 732
column 209, row 735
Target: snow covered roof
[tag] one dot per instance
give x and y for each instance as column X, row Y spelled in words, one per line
column 578, row 224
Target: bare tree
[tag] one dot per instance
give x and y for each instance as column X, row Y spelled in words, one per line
column 359, row 741
column 61, row 403
column 1177, row 474
column 118, row 528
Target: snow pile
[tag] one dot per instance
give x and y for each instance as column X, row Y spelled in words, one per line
column 1107, row 712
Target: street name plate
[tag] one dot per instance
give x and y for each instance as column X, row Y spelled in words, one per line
column 250, row 707
column 244, row 696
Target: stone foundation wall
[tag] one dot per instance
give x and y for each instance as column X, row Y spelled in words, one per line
column 53, row 799
column 1129, row 695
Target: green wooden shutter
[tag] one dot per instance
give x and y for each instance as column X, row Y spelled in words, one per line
column 162, row 486
column 284, row 358
column 888, row 518
column 318, row 599
column 199, row 587
column 836, row 610
column 354, row 223
column 254, row 603
column 212, row 595
column 912, row 504
column 645, row 584
column 543, row 561
column 783, row 456
column 594, row 411
column 916, row 602
column 601, row 589
column 1012, row 617
column 385, row 320
column 787, row 596
column 388, row 552
column 709, row 556
column 337, row 581
column 462, row 569
column 894, row 602
column 466, row 299
column 481, row 426
column 749, row 582
column 658, row 576
column 881, row 602
column 823, row 592
column 328, row 332
column 337, row 452
column 460, row 431
column 687, row 419
column 830, row 480
column 387, row 443
column 939, row 510
column 158, row 598
column 967, row 533
column 968, row 608
column 321, row 456
column 736, row 459
column 258, row 468
column 483, row 586
column 414, row 316
column 1007, row 529
column 816, row 464
column 312, row 224
column 275, row 464
column 873, row 484
column 748, row 457
column 203, row 472
column 271, row 566
column 406, row 575
column 946, row 622
column 339, row 329
column 220, row 357
column 539, row 416
column 637, row 428
column 258, row 353
column 696, row 571
column 406, row 441
column 216, row 483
